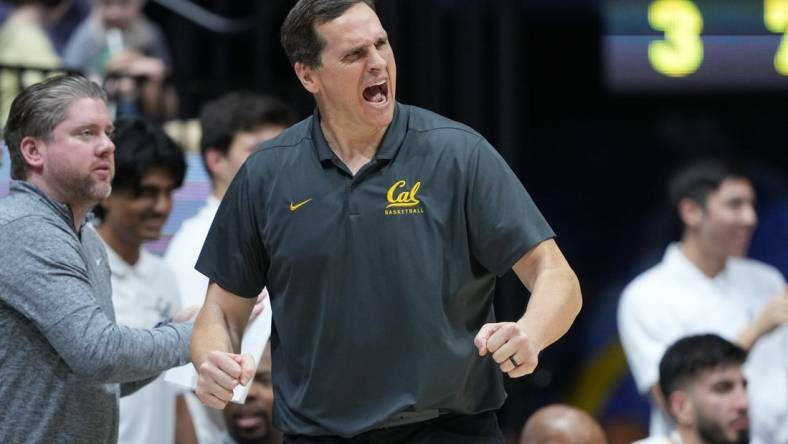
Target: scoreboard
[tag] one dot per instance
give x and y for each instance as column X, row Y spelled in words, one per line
column 695, row 45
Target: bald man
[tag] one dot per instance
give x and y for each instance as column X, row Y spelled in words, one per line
column 562, row 424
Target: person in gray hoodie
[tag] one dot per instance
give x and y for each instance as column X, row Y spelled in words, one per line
column 64, row 361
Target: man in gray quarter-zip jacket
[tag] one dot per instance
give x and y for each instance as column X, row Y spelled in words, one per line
column 64, row 361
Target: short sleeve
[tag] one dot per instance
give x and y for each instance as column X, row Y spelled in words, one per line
column 645, row 334
column 233, row 255
column 503, row 221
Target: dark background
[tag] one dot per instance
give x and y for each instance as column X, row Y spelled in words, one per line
column 528, row 75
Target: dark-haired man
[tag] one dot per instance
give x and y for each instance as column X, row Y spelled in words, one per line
column 703, row 284
column 149, row 166
column 232, row 127
column 64, row 361
column 379, row 230
column 705, row 392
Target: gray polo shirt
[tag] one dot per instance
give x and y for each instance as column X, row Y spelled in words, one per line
column 379, row 281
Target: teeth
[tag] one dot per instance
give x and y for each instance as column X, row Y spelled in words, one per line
column 379, row 82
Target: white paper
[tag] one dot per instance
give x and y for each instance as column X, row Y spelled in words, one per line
column 255, row 337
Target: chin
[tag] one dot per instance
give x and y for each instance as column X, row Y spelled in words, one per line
column 742, row 438
column 250, row 436
column 738, row 252
column 100, row 192
column 384, row 118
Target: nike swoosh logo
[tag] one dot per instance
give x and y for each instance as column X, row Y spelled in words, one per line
column 299, row 205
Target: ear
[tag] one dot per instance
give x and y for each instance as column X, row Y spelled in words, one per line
column 681, row 408
column 32, row 149
column 214, row 160
column 690, row 212
column 307, row 77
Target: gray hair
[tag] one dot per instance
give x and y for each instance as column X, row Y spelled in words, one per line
column 39, row 108
column 300, row 40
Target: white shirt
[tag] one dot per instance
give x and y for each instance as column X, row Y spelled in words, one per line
column 184, row 249
column 675, row 299
column 143, row 295
column 181, row 256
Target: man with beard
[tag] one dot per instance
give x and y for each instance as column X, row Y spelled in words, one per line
column 250, row 423
column 149, row 166
column 64, row 361
column 701, row 380
column 705, row 285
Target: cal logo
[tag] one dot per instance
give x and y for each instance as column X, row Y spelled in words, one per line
column 403, row 199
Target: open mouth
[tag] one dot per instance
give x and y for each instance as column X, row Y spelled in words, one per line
column 378, row 92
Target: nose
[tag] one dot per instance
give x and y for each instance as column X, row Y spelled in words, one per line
column 376, row 60
column 749, row 216
column 742, row 401
column 107, row 146
column 163, row 203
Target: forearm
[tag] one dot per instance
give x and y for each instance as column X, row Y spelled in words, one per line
column 53, row 290
column 750, row 335
column 772, row 316
column 213, row 332
column 554, row 304
column 107, row 352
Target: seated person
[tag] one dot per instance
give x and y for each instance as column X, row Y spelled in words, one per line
column 562, row 424
column 705, row 392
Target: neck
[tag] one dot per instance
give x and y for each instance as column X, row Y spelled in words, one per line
column 219, row 188
column 355, row 147
column 707, row 261
column 79, row 207
column 128, row 251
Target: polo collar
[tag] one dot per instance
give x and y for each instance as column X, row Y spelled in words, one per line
column 61, row 209
column 676, row 259
column 388, row 148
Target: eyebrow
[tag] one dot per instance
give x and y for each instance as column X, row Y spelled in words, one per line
column 362, row 47
column 110, row 127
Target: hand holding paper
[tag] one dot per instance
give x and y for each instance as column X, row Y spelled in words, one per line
column 228, row 374
column 220, row 374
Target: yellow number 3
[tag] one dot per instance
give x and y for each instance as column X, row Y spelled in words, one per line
column 775, row 15
column 681, row 52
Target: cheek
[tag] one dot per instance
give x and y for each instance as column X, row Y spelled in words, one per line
column 137, row 209
column 268, row 401
column 719, row 408
column 340, row 87
column 238, row 156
